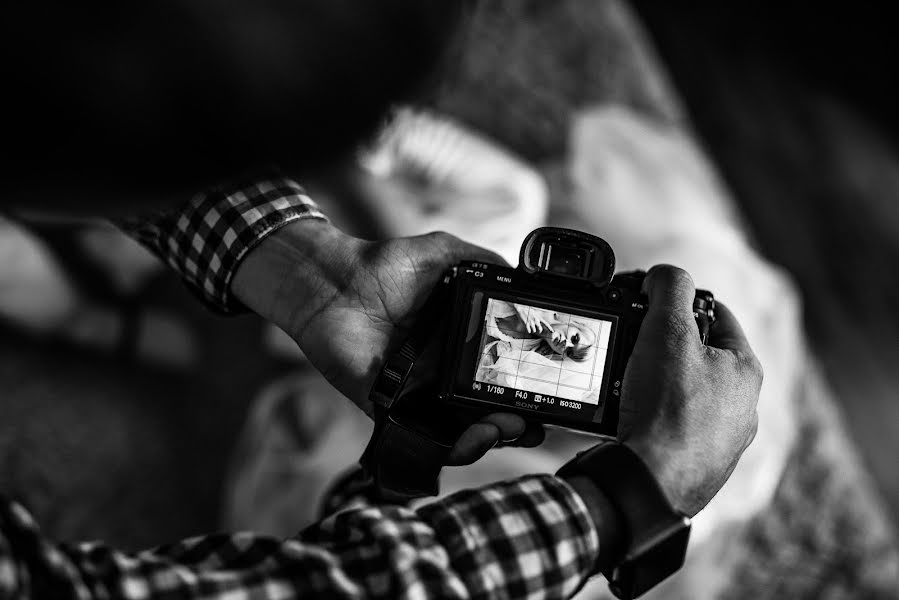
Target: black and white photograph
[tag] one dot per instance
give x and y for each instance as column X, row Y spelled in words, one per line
column 449, row 299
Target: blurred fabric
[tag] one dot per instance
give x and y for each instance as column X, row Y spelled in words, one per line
column 798, row 112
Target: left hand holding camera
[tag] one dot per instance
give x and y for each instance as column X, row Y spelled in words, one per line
column 348, row 302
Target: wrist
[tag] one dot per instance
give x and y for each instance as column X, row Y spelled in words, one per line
column 655, row 534
column 292, row 272
column 606, row 520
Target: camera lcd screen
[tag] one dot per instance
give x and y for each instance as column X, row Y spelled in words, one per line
column 540, row 358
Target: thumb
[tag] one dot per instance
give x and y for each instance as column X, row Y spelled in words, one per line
column 671, row 294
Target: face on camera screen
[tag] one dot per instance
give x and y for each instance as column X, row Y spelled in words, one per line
column 543, row 351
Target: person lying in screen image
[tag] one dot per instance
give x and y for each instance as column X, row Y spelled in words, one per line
column 541, row 331
column 525, row 347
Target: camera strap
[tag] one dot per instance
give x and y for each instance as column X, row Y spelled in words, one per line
column 414, row 432
column 403, row 460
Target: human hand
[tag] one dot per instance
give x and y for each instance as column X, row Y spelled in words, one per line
column 535, row 320
column 560, row 340
column 348, row 303
column 688, row 409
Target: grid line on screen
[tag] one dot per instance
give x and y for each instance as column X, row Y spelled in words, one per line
column 559, row 379
column 520, row 353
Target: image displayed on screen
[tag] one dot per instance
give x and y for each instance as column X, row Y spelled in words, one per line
column 543, row 351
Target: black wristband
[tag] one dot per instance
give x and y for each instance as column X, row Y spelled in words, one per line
column 656, row 534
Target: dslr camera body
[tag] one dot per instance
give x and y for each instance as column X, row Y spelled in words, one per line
column 548, row 340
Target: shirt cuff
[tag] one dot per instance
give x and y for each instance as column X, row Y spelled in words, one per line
column 205, row 241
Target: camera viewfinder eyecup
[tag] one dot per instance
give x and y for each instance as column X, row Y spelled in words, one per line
column 572, row 258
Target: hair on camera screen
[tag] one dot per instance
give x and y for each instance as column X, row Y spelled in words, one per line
column 543, row 351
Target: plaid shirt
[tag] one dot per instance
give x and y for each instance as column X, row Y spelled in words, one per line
column 206, row 240
column 532, row 537
column 527, row 538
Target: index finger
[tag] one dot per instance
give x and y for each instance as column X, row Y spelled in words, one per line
column 726, row 332
column 480, row 437
column 669, row 316
column 670, row 290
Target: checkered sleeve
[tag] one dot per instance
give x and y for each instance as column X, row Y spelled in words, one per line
column 206, row 239
column 527, row 538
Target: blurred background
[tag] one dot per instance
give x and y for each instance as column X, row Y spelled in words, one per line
column 797, row 109
column 775, row 127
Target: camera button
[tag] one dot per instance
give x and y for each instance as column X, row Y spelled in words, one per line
column 614, row 295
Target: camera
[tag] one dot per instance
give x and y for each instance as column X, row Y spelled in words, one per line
column 548, row 340
column 567, row 368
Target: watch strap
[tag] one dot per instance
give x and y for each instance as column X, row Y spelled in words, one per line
column 657, row 535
